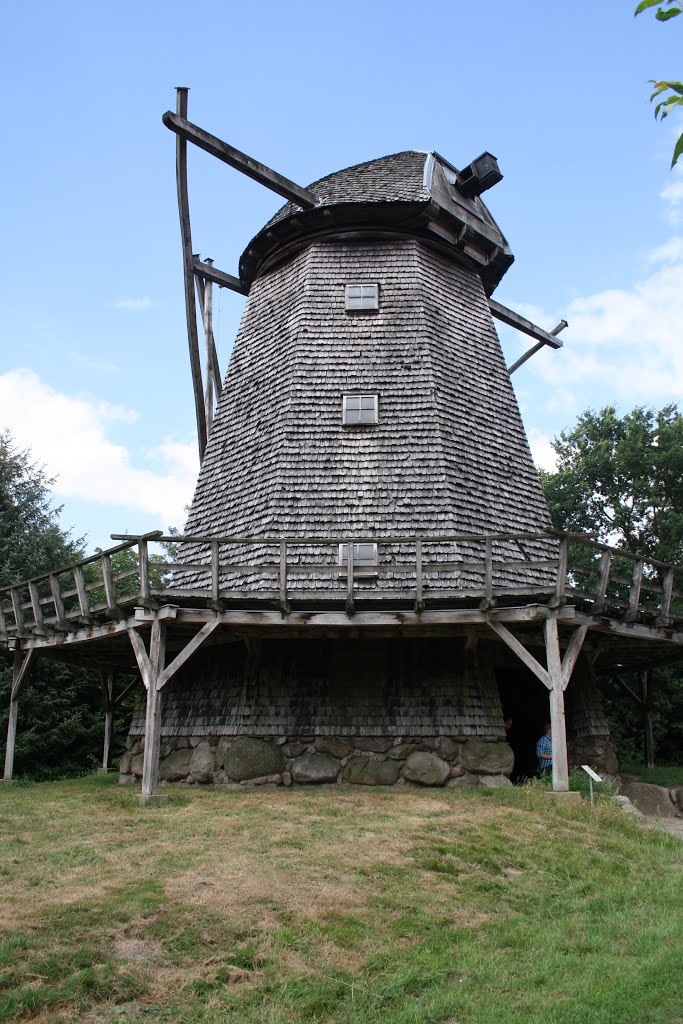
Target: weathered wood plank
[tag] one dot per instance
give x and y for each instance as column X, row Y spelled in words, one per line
column 21, row 668
column 667, row 593
column 603, row 581
column 186, row 131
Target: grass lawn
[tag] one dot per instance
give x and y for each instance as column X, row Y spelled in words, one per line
column 661, row 775
column 336, row 905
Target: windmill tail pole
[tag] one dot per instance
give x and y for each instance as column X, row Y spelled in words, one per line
column 188, row 274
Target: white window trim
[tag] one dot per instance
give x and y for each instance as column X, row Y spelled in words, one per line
column 366, row 423
column 364, row 570
column 362, row 309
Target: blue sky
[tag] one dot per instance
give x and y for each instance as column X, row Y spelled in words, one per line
column 93, row 354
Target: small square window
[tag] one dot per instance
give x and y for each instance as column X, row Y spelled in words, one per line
column 362, row 296
column 365, row 558
column 358, row 410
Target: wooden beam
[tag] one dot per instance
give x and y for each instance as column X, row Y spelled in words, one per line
column 140, row 656
column 188, row 273
column 218, row 277
column 520, row 650
column 646, row 691
column 520, row 323
column 572, row 653
column 20, row 672
column 157, row 657
column 557, row 718
column 186, row 653
column 107, row 684
column 126, row 690
column 284, row 187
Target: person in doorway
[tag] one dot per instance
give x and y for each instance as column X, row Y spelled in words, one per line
column 544, row 752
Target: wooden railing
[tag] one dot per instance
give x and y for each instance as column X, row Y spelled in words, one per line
column 273, row 571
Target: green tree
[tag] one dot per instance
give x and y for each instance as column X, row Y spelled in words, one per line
column 60, row 717
column 621, row 478
column 666, row 10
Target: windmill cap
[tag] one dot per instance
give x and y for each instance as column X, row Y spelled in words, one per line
column 413, row 193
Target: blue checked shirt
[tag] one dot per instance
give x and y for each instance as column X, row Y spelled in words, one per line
column 544, row 746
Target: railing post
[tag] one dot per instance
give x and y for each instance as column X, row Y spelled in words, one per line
column 57, row 601
column 603, row 581
column 488, row 575
column 664, row 617
column 215, row 578
column 634, row 595
column 109, row 587
column 16, row 608
column 419, row 600
column 82, row 593
column 37, row 610
column 350, row 605
column 562, row 566
column 284, row 606
column 143, row 561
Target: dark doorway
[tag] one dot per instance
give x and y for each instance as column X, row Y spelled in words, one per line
column 525, row 700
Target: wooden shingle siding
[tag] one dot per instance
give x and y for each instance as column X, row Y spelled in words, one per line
column 449, row 453
column 332, row 687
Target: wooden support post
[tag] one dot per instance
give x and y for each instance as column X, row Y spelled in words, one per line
column 157, row 661
column 20, row 673
column 645, row 679
column 190, row 307
column 107, row 683
column 557, row 720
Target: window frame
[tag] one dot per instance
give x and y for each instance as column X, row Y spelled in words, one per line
column 362, row 308
column 360, row 422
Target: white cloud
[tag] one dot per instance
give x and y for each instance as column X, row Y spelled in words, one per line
column 68, row 434
column 135, row 305
column 542, row 451
column 628, row 337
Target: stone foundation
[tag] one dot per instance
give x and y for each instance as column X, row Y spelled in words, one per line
column 309, row 760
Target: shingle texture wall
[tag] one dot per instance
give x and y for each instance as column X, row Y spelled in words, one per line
column 395, row 687
column 449, row 454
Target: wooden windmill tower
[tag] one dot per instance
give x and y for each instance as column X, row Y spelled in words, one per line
column 367, row 417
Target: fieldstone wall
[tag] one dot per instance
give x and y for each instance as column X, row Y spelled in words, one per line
column 310, row 760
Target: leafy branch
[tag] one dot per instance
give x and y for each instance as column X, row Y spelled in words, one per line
column 665, row 11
